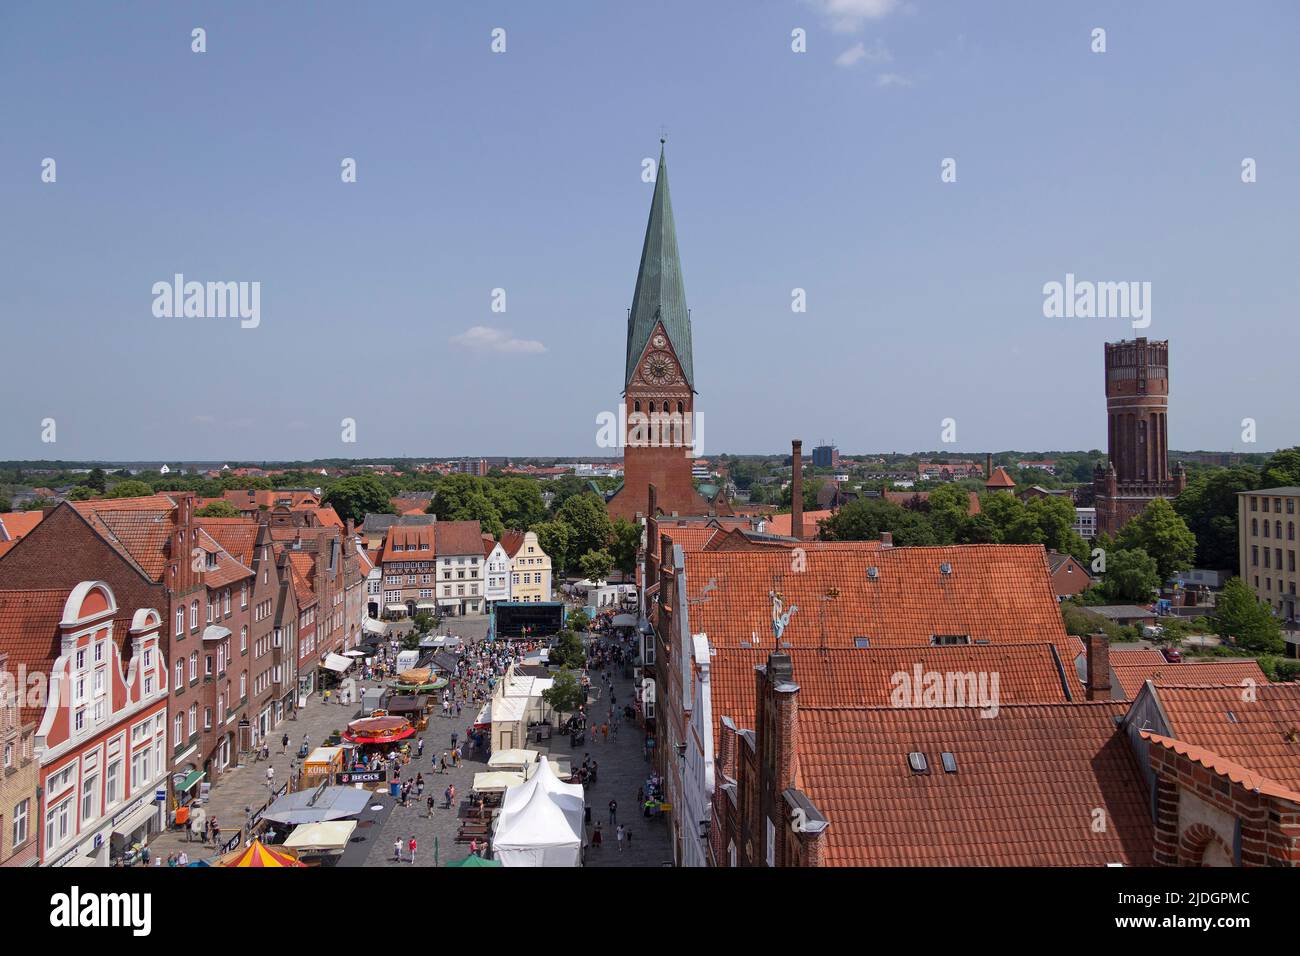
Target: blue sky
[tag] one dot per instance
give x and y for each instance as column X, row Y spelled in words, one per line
column 522, row 171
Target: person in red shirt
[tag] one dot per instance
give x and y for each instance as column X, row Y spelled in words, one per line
column 411, row 846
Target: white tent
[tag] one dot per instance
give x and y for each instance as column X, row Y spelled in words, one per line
column 540, row 823
column 512, row 759
column 493, row 781
column 331, row 836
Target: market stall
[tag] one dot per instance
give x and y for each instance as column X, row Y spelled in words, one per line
column 257, row 854
column 541, row 822
column 496, row 781
column 378, row 730
column 321, row 765
column 321, row 839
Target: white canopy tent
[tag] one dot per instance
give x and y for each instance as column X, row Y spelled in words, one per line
column 494, row 781
column 329, row 837
column 540, row 823
column 518, row 760
column 337, row 663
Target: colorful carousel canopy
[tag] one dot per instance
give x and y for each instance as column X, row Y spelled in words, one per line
column 257, row 854
column 378, row 730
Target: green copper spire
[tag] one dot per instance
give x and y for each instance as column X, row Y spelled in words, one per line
column 660, row 296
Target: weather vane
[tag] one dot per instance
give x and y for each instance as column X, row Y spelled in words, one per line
column 780, row 620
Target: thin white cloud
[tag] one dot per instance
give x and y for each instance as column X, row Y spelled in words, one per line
column 849, row 16
column 892, row 79
column 482, row 338
column 859, row 53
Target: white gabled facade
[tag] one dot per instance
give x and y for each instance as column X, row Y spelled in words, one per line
column 496, row 575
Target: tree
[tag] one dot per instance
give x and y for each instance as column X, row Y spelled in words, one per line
column 949, row 509
column 554, row 537
column 97, row 480
column 1208, row 505
column 81, row 493
column 596, row 565
column 518, row 500
column 1161, row 533
column 1240, row 615
column 1282, row 470
column 579, row 620
column 565, row 694
column 465, row 498
column 1055, row 519
column 1016, row 524
column 217, row 509
column 129, row 489
column 977, row 529
column 423, row 622
column 568, row 650
column 357, row 496
column 6, row 505
column 866, row 518
column 811, row 487
column 625, row 541
column 1131, row 575
column 588, row 523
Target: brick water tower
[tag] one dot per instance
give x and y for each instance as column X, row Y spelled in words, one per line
column 1137, row 408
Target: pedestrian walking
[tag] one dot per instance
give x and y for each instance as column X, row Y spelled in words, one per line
column 595, row 837
column 270, row 778
column 429, row 805
column 411, row 847
column 419, row 747
column 397, row 851
column 284, row 744
column 613, row 812
column 618, row 835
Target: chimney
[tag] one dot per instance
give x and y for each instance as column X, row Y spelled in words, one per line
column 352, row 528
column 1098, row 687
column 886, row 539
column 796, row 488
column 988, row 467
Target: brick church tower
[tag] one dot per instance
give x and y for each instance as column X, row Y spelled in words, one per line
column 659, row 378
column 1137, row 404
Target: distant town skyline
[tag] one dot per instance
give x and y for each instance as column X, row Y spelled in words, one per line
column 920, row 177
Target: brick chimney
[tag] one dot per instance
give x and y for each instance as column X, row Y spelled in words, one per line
column 1098, row 687
column 886, row 539
column 796, row 488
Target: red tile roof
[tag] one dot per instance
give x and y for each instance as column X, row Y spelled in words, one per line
column 1025, row 792
column 694, row 538
column 15, row 524
column 29, row 634
column 238, row 536
column 784, row 523
column 996, row 593
column 1225, row 768
column 410, row 543
column 302, row 567
column 864, row 677
column 139, row 529
column 999, row 479
column 1121, row 657
column 458, row 537
column 1131, row 677
column 227, row 570
column 1262, row 734
column 511, row 542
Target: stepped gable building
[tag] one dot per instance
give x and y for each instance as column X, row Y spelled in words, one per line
column 1137, row 406
column 659, row 377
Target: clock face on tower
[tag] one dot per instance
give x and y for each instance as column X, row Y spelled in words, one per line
column 659, row 369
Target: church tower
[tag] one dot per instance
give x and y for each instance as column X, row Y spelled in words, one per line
column 659, row 377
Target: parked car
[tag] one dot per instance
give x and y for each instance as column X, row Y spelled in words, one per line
column 1172, row 655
